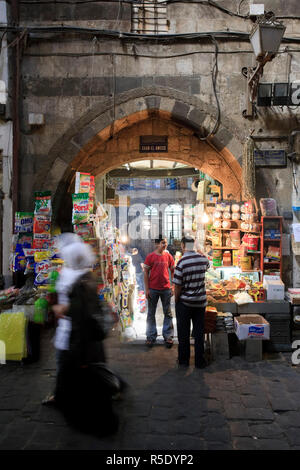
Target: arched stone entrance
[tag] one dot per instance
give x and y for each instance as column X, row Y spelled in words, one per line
column 107, row 136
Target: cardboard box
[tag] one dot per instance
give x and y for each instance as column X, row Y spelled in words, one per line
column 251, row 327
column 274, row 288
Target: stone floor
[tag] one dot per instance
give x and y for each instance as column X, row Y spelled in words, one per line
column 232, row 404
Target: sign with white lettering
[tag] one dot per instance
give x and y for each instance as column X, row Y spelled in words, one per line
column 273, row 158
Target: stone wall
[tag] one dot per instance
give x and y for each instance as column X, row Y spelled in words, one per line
column 83, row 81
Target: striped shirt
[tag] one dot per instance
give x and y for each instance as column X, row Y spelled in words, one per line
column 190, row 275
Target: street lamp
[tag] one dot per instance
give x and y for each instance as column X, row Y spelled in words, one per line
column 265, row 38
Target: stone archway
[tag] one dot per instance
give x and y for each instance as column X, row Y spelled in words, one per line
column 80, row 147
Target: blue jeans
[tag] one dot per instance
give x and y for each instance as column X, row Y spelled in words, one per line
column 168, row 329
column 184, row 316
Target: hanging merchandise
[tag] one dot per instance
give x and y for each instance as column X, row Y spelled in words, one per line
column 82, row 182
column 80, row 214
column 84, row 231
column 23, row 222
column 42, row 205
column 42, row 267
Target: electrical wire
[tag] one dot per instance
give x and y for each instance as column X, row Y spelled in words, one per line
column 164, row 38
column 214, row 75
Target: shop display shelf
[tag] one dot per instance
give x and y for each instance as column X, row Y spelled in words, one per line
column 272, row 239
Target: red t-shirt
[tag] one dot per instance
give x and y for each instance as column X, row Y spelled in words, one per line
column 159, row 275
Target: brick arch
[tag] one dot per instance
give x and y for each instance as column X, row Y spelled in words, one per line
column 101, row 124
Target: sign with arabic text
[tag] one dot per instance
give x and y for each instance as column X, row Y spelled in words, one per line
column 270, row 158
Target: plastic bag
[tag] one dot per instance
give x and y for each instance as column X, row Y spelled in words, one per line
column 268, row 207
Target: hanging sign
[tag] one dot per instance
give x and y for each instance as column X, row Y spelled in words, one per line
column 271, row 158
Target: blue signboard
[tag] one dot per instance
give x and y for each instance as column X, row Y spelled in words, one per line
column 270, row 158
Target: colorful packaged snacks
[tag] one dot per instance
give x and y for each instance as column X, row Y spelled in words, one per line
column 80, row 214
column 23, row 222
column 42, row 204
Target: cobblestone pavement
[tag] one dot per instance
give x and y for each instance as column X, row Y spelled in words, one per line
column 232, row 404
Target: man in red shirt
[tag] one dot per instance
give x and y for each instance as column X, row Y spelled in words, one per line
column 157, row 268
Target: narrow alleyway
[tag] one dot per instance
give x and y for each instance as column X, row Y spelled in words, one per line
column 232, row 404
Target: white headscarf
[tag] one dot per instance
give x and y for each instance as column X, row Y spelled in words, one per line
column 78, row 259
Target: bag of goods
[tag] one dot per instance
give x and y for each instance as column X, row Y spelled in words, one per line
column 254, row 227
column 268, row 207
column 235, row 238
column 23, row 222
column 217, row 223
column 226, row 224
column 273, row 252
column 29, row 258
column 41, row 243
column 42, row 205
column 84, row 230
column 249, row 207
column 82, row 182
column 25, row 240
column 19, row 263
column 244, row 226
column 235, row 208
column 42, row 226
column 226, row 215
column 217, row 215
column 42, row 267
column 80, row 213
column 216, row 239
column 236, row 216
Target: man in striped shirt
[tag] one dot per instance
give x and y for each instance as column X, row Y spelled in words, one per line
column 190, row 302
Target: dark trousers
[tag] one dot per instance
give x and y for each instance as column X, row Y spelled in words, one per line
column 184, row 316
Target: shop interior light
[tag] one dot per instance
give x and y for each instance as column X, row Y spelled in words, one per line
column 205, row 218
column 124, row 239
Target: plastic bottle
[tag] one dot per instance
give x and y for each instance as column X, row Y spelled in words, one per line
column 40, row 310
column 53, row 278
